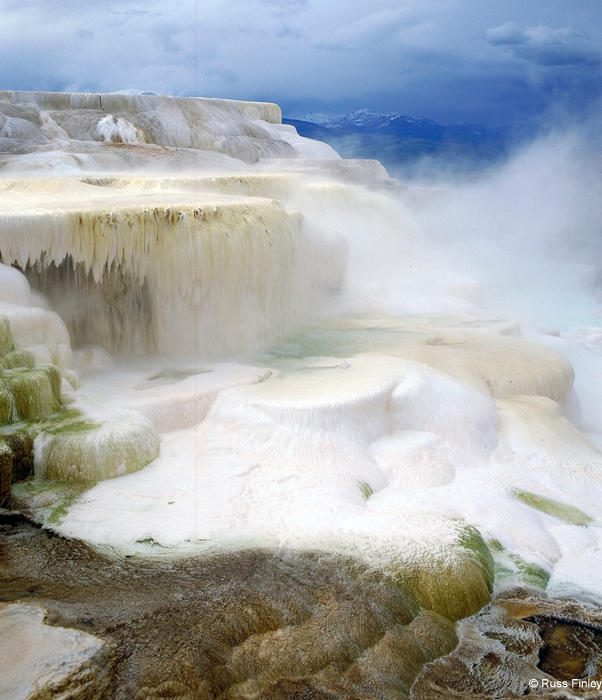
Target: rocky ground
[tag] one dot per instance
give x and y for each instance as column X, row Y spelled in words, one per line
column 261, row 624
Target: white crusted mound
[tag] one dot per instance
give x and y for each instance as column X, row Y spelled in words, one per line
column 33, row 327
column 38, row 122
column 99, row 447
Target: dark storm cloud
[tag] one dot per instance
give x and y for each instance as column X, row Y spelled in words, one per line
column 449, row 59
column 368, row 30
column 287, row 7
column 545, row 46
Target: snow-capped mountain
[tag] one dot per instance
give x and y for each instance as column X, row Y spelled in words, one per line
column 367, row 119
column 396, row 139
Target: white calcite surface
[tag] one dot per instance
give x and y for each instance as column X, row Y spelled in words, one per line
column 38, row 659
column 73, row 127
column 373, row 454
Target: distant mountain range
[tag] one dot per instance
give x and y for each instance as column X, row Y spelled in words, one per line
column 399, row 141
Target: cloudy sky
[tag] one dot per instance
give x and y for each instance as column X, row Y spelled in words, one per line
column 487, row 61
